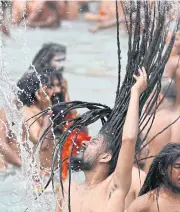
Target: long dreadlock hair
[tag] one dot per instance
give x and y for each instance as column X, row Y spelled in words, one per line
column 42, row 60
column 146, row 47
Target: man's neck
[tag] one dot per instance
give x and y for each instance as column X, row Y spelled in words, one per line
column 170, row 194
column 36, row 106
column 95, row 177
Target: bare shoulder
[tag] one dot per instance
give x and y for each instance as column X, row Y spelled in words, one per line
column 138, row 174
column 162, row 118
column 29, row 112
column 138, row 178
column 141, row 204
column 171, row 66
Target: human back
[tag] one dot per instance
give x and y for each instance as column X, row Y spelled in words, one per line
column 166, row 121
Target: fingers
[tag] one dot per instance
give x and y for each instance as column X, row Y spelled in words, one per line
column 142, row 74
column 135, row 77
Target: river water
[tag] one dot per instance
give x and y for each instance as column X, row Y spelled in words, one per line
column 91, row 71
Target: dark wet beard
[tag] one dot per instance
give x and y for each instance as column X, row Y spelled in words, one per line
column 79, row 165
column 58, row 97
column 168, row 184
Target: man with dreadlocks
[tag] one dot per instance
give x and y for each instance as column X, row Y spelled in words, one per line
column 161, row 189
column 95, row 160
column 166, row 114
column 51, row 56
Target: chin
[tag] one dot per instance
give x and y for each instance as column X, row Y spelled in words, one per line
column 172, row 186
column 75, row 162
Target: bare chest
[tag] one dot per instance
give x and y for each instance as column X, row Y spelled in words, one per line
column 165, row 205
column 85, row 201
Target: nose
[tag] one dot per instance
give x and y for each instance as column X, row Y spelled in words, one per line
column 84, row 143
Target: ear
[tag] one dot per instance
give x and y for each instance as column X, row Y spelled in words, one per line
column 37, row 95
column 105, row 157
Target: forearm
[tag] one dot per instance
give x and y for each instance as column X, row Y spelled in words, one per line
column 130, row 130
column 122, row 174
column 9, row 155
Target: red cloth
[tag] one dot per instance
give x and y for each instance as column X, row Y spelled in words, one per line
column 66, row 151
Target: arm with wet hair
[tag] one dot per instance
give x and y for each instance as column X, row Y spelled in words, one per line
column 121, row 178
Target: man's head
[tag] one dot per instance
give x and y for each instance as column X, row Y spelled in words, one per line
column 165, row 170
column 96, row 152
column 29, row 86
column 50, row 56
column 177, row 42
column 167, row 94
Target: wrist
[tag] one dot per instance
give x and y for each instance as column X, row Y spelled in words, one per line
column 135, row 91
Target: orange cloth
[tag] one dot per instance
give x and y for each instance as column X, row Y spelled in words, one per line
column 66, row 151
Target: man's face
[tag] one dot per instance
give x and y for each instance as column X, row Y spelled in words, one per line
column 58, row 61
column 58, row 95
column 177, row 42
column 174, row 175
column 56, row 86
column 88, row 155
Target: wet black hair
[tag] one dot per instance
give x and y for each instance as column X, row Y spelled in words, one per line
column 158, row 172
column 42, row 59
column 28, row 84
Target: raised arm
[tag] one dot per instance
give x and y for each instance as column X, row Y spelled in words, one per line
column 121, row 178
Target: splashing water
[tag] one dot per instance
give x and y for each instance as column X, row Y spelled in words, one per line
column 23, row 182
